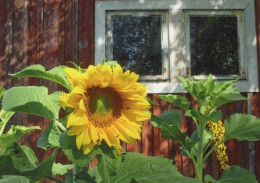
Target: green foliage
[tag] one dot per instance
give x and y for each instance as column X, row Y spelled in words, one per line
column 233, row 174
column 242, row 127
column 23, row 157
column 139, row 168
column 68, row 145
column 14, row 179
column 170, row 125
column 50, row 137
column 14, row 134
column 60, row 169
column 41, row 171
column 177, row 100
column 57, row 74
column 32, row 100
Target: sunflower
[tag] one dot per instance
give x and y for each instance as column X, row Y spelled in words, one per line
column 108, row 104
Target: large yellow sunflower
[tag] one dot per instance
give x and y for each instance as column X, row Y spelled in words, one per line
column 108, row 105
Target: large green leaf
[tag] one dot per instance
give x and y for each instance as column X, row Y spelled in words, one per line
column 233, row 174
column 135, row 167
column 50, row 137
column 218, row 100
column 14, row 134
column 32, row 100
column 44, row 169
column 60, row 169
column 242, row 127
column 57, row 74
column 170, row 125
column 171, row 117
column 177, row 100
column 23, row 157
column 68, row 145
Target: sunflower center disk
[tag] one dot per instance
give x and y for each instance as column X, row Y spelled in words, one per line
column 103, row 106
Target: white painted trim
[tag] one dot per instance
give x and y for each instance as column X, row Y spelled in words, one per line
column 176, row 38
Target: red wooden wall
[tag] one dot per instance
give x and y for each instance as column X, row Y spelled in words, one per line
column 52, row 32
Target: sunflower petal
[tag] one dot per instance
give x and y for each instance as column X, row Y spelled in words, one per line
column 76, row 78
column 77, row 117
column 88, row 147
column 79, row 139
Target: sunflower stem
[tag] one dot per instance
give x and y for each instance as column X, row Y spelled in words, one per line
column 60, row 125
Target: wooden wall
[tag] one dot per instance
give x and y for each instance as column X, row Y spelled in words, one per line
column 53, row 32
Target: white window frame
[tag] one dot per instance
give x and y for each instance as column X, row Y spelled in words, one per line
column 164, row 41
column 177, row 48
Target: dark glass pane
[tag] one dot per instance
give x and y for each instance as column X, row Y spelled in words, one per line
column 214, row 45
column 137, row 43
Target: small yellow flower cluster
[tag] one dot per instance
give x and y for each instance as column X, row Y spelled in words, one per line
column 218, row 132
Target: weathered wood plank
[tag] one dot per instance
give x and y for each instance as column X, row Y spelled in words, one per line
column 86, row 32
column 147, row 138
column 3, row 25
column 156, row 131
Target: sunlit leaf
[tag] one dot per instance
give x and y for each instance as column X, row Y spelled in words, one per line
column 57, row 74
column 32, row 100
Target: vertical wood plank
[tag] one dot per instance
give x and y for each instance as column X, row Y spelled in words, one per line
column 164, row 143
column 68, row 30
column 86, row 32
column 32, row 55
column 3, row 43
column 156, row 131
column 188, row 126
column 147, row 135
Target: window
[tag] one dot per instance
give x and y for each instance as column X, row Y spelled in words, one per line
column 138, row 41
column 214, row 43
column 163, row 39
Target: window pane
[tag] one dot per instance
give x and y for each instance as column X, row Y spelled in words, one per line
column 214, row 45
column 136, row 43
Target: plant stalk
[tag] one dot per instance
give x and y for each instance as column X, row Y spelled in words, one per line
column 199, row 173
column 55, row 179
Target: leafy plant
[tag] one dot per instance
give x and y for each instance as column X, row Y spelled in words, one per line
column 19, row 163
column 211, row 96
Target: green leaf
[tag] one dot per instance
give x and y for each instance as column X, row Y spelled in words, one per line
column 4, row 117
column 135, row 167
column 32, row 100
column 14, row 179
column 14, row 134
column 68, row 145
column 215, row 116
column 151, row 101
column 234, row 174
column 207, row 136
column 170, row 125
column 23, row 157
column 171, row 117
column 224, row 98
column 177, row 100
column 57, row 74
column 44, row 169
column 60, row 169
column 50, row 137
column 197, row 114
column 242, row 127
column 2, row 91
